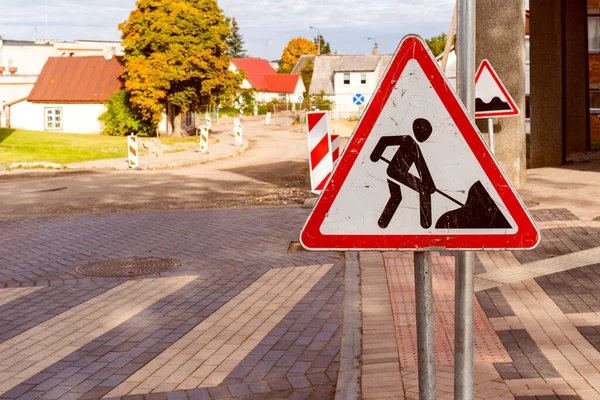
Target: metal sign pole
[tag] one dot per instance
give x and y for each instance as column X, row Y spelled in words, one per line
column 425, row 339
column 463, row 304
column 491, row 133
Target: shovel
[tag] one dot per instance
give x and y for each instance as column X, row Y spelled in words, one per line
column 478, row 212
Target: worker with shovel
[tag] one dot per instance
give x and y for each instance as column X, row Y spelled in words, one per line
column 408, row 153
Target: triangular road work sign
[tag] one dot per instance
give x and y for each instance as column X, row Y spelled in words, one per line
column 416, row 173
column 491, row 97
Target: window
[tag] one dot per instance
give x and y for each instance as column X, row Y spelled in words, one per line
column 363, row 79
column 594, row 33
column 595, row 101
column 346, row 78
column 53, row 119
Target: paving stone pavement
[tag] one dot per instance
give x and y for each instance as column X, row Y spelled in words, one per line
column 544, row 311
column 241, row 318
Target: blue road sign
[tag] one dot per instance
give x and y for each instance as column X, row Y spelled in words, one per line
column 358, row 99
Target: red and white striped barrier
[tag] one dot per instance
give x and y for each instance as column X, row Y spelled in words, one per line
column 204, row 139
column 319, row 149
column 268, row 119
column 241, row 112
column 335, row 148
column 132, row 151
column 237, row 131
column 207, row 121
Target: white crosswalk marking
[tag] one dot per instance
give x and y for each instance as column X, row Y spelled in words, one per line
column 210, row 352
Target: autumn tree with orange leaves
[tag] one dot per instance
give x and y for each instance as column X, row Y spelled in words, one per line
column 292, row 52
column 175, row 58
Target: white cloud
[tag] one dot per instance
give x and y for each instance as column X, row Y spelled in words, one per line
column 345, row 23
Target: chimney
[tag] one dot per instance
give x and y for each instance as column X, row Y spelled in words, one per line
column 375, row 49
column 109, row 52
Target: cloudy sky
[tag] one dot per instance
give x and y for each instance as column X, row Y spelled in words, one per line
column 266, row 25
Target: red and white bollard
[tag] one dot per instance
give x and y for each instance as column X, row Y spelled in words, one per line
column 335, row 148
column 241, row 113
column 319, row 150
column 237, row 132
column 204, row 139
column 132, row 151
column 207, row 121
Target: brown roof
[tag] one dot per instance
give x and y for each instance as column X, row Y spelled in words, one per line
column 90, row 79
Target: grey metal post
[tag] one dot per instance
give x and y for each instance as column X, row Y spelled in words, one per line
column 463, row 305
column 425, row 338
column 491, row 133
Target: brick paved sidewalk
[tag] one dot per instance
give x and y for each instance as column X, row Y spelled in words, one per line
column 241, row 318
column 537, row 319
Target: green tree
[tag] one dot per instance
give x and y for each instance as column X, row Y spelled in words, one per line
column 325, row 46
column 307, row 73
column 235, row 42
column 292, row 52
column 437, row 43
column 175, row 58
column 121, row 119
column 320, row 102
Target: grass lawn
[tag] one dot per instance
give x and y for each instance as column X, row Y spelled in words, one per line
column 64, row 148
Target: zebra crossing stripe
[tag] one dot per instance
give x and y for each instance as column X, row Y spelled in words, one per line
column 207, row 354
column 29, row 353
column 8, row 295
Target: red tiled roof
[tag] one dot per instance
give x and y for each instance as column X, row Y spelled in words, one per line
column 255, row 69
column 91, row 79
column 281, row 83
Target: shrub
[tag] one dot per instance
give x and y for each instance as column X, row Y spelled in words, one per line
column 121, row 119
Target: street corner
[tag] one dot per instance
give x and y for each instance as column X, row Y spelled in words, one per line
column 247, row 318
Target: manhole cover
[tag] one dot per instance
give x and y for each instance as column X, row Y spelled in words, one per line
column 128, row 267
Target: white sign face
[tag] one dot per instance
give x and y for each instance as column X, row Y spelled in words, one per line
column 297, row 98
column 367, row 185
column 416, row 173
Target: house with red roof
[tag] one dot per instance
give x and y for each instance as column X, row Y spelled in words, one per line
column 269, row 85
column 71, row 93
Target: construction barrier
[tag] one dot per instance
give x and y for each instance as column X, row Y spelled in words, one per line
column 132, row 151
column 268, row 119
column 207, row 121
column 237, row 131
column 319, row 149
column 204, row 139
column 335, row 148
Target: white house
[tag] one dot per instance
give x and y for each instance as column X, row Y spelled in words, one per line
column 22, row 61
column 68, row 96
column 269, row 85
column 341, row 77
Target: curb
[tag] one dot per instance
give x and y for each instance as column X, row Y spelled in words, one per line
column 348, row 383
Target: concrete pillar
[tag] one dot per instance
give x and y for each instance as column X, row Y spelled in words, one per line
column 559, row 80
column 501, row 39
column 577, row 77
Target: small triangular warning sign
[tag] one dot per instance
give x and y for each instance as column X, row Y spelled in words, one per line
column 459, row 198
column 492, row 100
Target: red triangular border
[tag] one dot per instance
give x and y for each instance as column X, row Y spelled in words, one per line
column 485, row 64
column 527, row 235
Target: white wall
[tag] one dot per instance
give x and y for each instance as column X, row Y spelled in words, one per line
column 15, row 87
column 344, row 106
column 77, row 118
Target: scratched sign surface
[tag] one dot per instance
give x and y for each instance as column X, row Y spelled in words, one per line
column 417, row 174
